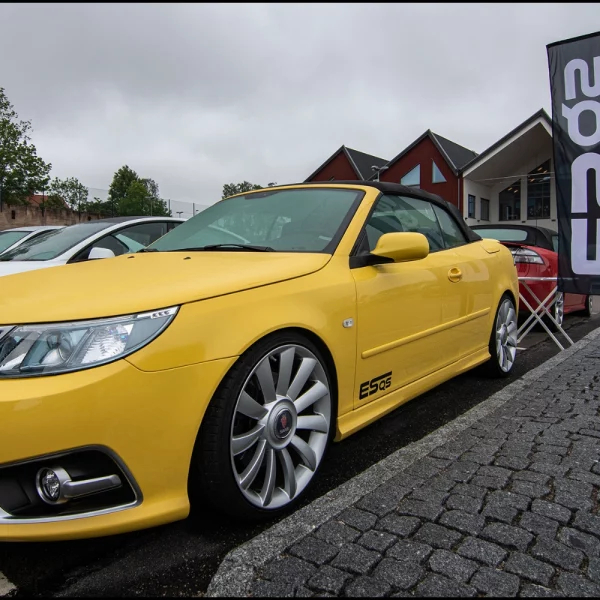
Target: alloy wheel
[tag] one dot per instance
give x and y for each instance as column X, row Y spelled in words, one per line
column 280, row 426
column 559, row 308
column 506, row 335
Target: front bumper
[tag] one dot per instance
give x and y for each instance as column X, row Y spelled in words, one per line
column 149, row 420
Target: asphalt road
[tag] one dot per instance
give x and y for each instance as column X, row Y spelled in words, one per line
column 179, row 559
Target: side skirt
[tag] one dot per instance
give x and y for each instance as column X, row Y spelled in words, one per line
column 369, row 413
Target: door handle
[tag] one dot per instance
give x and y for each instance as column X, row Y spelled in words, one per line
column 454, row 274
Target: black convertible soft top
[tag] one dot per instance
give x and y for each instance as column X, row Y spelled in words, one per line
column 541, row 237
column 397, row 189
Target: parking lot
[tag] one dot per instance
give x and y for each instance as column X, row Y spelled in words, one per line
column 179, row 559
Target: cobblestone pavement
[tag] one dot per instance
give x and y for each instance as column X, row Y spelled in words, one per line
column 508, row 507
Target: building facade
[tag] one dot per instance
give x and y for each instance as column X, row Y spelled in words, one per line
column 431, row 163
column 346, row 164
column 513, row 180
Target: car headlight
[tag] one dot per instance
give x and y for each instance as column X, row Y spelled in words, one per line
column 52, row 348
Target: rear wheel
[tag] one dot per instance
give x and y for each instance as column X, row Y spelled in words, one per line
column 588, row 310
column 266, row 430
column 558, row 312
column 503, row 339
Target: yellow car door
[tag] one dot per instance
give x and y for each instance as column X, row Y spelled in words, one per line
column 468, row 290
column 400, row 305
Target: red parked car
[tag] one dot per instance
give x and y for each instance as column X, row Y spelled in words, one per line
column 535, row 252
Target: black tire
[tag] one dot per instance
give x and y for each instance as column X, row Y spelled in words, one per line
column 492, row 367
column 212, row 482
column 589, row 306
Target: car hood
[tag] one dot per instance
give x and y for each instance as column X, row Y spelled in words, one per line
column 10, row 267
column 140, row 282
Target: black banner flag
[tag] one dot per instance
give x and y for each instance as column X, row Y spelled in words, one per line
column 575, row 88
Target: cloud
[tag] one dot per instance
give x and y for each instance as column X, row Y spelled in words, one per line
column 198, row 95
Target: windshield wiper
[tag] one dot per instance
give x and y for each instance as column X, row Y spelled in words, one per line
column 148, row 250
column 247, row 247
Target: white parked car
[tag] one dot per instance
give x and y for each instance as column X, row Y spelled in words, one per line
column 103, row 238
column 11, row 238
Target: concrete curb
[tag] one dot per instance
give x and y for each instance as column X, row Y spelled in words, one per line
column 6, row 587
column 239, row 567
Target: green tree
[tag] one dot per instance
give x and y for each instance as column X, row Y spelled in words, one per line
column 22, row 171
column 68, row 191
column 130, row 195
column 98, row 207
column 132, row 203
column 230, row 189
column 154, row 205
column 117, row 192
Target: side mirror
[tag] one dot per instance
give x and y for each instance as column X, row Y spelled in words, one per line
column 100, row 253
column 402, row 247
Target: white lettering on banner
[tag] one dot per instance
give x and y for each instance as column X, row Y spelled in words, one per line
column 579, row 243
column 572, row 115
column 578, row 64
column 579, row 181
column 585, row 227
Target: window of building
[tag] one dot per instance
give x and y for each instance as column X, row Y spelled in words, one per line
column 485, row 210
column 471, row 207
column 538, row 192
column 412, row 178
column 436, row 174
column 509, row 200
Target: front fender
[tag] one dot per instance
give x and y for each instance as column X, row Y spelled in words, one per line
column 227, row 326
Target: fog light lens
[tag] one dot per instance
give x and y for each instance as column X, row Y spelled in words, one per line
column 49, row 484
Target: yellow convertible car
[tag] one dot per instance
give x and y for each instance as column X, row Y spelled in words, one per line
column 214, row 367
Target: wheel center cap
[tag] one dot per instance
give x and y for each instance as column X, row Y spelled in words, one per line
column 282, row 424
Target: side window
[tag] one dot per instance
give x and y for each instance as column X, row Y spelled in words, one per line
column 127, row 240
column 110, row 242
column 453, row 236
column 402, row 213
column 382, row 220
column 142, row 235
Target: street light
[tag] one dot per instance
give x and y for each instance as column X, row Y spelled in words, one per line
column 179, row 212
column 378, row 170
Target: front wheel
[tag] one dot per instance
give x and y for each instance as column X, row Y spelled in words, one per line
column 503, row 339
column 266, row 430
column 589, row 306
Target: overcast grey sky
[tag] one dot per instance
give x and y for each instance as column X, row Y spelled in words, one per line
column 198, row 95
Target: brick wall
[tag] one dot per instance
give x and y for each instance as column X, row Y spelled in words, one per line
column 22, row 216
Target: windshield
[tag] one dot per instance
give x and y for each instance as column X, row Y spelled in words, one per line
column 53, row 243
column 297, row 220
column 8, row 238
column 502, row 235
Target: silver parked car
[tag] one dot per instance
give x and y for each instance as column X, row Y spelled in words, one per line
column 103, row 238
column 11, row 238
